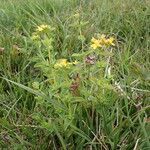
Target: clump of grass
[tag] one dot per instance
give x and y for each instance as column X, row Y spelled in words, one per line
column 62, row 90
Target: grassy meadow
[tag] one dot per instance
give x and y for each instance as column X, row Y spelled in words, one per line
column 75, row 74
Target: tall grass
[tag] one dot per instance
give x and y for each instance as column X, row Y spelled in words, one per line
column 122, row 123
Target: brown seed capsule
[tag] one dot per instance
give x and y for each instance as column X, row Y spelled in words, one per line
column 74, row 87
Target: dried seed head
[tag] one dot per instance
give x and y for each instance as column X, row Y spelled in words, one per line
column 91, row 59
column 74, row 87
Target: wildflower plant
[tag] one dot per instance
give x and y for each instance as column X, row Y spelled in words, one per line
column 71, row 83
column 65, row 87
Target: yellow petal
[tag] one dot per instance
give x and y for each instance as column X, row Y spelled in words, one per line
column 94, row 46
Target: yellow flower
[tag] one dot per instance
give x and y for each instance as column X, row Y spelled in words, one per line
column 102, row 41
column 94, row 46
column 95, row 43
column 42, row 28
column 110, row 41
column 61, row 63
column 64, row 63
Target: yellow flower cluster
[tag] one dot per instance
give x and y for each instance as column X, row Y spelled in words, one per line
column 41, row 28
column 102, row 41
column 64, row 63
